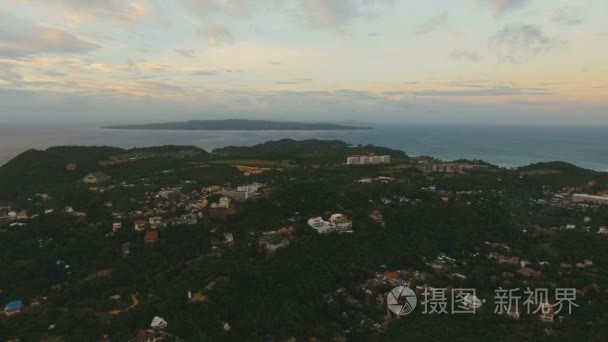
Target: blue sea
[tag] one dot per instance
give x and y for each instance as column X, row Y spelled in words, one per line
column 507, row 146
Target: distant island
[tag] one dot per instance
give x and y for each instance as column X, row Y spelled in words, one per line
column 239, row 125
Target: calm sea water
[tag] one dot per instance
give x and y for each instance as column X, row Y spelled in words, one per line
column 502, row 145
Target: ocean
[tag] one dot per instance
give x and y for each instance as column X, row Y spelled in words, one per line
column 507, row 146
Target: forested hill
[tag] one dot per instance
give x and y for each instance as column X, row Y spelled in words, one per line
column 240, row 125
column 38, row 169
column 306, row 151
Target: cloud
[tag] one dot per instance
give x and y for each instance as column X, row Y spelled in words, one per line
column 521, row 43
column 125, row 12
column 313, row 14
column 217, row 35
column 465, row 55
column 334, row 14
column 204, row 73
column 237, row 8
column 501, row 7
column 9, row 76
column 433, row 24
column 20, row 39
column 132, row 66
column 296, row 81
column 492, row 91
column 188, row 53
column 568, row 16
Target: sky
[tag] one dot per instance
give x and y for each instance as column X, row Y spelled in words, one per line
column 385, row 61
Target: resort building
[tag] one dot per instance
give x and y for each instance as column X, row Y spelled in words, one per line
column 590, row 198
column 96, row 178
column 272, row 241
column 368, row 160
column 13, row 308
column 337, row 223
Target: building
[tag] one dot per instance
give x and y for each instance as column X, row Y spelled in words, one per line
column 337, row 223
column 236, row 194
column 158, row 323
column 224, row 202
column 154, row 336
column 116, row 226
column 470, row 301
column 228, row 238
column 448, row 167
column 243, row 192
column 354, row 160
column 96, row 178
column 13, row 307
column 546, row 313
column 151, row 237
column 189, row 219
column 528, row 272
column 156, row 222
column 199, row 205
column 376, row 216
column 513, row 313
column 288, row 231
column 341, row 222
column 580, row 198
column 368, row 160
column 125, row 248
column 71, row 166
column 272, row 241
column 171, row 195
column 508, row 260
column 320, row 225
column 22, row 215
column 212, row 189
column 140, row 225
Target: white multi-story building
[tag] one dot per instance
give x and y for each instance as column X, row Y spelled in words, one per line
column 320, row 225
column 353, row 160
column 590, row 198
column 243, row 192
column 366, row 160
column 337, row 222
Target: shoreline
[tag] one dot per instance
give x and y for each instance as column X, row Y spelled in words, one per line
column 507, row 147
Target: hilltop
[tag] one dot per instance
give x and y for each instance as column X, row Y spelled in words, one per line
column 305, row 151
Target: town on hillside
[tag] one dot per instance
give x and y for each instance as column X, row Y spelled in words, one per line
column 293, row 241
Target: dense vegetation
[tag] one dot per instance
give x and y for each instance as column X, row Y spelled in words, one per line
column 306, row 151
column 274, row 298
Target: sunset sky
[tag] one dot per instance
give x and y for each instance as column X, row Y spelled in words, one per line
column 503, row 61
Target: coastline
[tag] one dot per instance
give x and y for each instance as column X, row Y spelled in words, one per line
column 503, row 146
